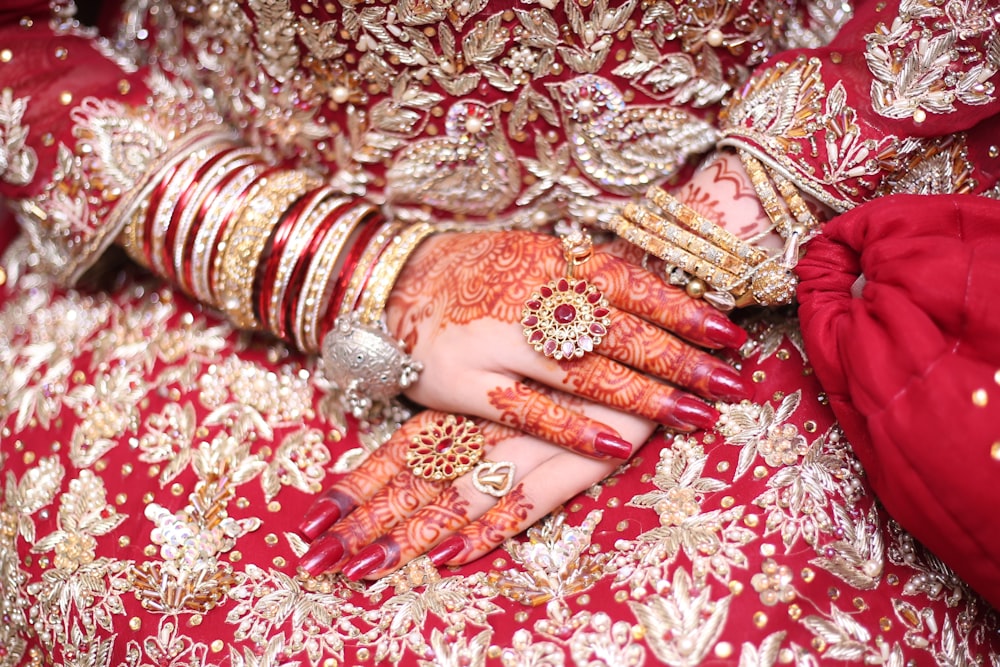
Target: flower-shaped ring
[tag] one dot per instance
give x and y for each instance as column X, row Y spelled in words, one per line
column 447, row 448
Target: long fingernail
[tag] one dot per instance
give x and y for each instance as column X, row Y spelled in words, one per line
column 693, row 413
column 727, row 385
column 722, row 332
column 369, row 560
column 612, row 445
column 324, row 513
column 322, row 555
column 447, row 550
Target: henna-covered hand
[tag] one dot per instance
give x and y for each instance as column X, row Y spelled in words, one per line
column 458, row 304
column 366, row 528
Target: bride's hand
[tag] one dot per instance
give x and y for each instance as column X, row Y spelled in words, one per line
column 389, row 514
column 458, row 306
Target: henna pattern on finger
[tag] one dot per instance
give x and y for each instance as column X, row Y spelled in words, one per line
column 615, row 385
column 526, row 409
column 507, row 518
column 425, row 528
column 645, row 348
column 403, row 496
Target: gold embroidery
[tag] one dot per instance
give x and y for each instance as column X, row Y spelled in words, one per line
column 927, row 60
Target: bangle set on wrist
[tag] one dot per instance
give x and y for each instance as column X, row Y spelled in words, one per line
column 278, row 250
column 713, row 263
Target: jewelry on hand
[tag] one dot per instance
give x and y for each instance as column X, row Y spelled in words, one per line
column 568, row 317
column 446, row 449
column 494, row 478
column 736, row 272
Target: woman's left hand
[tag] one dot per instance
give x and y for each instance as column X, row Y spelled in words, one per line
column 389, row 514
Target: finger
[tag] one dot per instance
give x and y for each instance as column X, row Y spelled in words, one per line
column 360, row 484
column 455, row 507
column 529, row 410
column 402, row 496
column 547, row 486
column 648, row 349
column 641, row 292
column 397, row 499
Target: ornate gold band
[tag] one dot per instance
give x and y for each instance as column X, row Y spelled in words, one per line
column 389, row 265
column 247, row 236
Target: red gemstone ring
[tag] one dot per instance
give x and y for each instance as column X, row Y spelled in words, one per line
column 445, row 449
column 566, row 318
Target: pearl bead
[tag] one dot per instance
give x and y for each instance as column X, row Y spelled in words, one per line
column 714, row 37
column 586, row 107
column 473, row 125
column 340, row 94
column 919, row 116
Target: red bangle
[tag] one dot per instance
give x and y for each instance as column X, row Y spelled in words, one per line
column 369, row 227
column 203, row 209
column 154, row 203
column 298, row 275
column 267, row 269
column 182, row 202
column 352, row 261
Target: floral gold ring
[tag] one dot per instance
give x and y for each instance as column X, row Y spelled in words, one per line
column 567, row 317
column 447, row 448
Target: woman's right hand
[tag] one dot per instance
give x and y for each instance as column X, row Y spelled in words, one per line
column 457, row 306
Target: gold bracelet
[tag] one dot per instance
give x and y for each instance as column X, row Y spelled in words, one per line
column 766, row 194
column 355, row 286
column 247, row 237
column 388, row 268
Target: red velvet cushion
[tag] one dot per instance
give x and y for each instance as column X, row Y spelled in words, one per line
column 912, row 364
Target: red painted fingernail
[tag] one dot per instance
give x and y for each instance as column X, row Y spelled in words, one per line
column 612, row 445
column 369, row 560
column 324, row 513
column 722, row 332
column 692, row 413
column 447, row 550
column 322, row 555
column 727, row 385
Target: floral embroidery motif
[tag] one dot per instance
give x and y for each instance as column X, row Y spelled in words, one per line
column 916, row 60
column 17, row 161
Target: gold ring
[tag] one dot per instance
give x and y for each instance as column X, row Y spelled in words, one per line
column 449, row 447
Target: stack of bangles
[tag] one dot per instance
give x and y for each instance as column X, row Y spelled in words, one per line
column 713, row 263
column 279, row 250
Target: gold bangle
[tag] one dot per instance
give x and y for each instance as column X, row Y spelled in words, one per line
column 796, row 204
column 388, row 268
column 679, row 257
column 683, row 239
column 703, row 227
column 355, row 286
column 766, row 194
column 245, row 241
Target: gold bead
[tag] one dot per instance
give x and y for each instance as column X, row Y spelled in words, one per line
column 696, row 288
column 6, row 56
